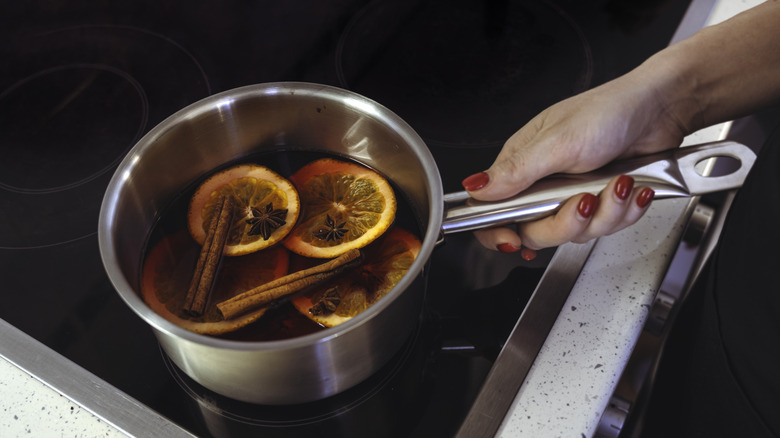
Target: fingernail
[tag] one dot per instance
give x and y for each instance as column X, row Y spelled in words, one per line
column 645, row 196
column 528, row 254
column 476, row 181
column 624, row 186
column 507, row 248
column 587, row 205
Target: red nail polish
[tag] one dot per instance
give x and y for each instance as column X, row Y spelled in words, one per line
column 507, row 248
column 624, row 186
column 645, row 196
column 476, row 181
column 587, row 205
column 528, row 254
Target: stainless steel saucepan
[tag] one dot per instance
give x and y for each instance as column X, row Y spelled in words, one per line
column 265, row 117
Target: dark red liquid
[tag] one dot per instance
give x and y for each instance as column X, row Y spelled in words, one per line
column 282, row 320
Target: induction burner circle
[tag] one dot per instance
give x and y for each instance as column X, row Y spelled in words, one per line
column 56, row 135
column 73, row 102
column 468, row 73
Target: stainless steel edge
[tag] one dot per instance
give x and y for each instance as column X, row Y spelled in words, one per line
column 695, row 18
column 82, row 387
column 521, row 348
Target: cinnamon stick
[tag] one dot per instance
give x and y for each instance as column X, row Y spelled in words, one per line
column 287, row 285
column 210, row 256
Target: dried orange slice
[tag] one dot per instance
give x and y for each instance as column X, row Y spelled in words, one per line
column 343, row 206
column 387, row 260
column 168, row 269
column 265, row 211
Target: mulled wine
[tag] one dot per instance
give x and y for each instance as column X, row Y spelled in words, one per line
column 172, row 255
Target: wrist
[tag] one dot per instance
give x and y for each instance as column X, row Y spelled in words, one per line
column 722, row 72
column 671, row 76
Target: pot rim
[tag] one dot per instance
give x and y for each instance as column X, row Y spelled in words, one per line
column 360, row 103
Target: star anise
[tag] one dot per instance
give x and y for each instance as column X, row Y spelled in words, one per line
column 327, row 303
column 265, row 222
column 331, row 232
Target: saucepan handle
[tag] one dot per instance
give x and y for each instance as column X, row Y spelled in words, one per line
column 674, row 173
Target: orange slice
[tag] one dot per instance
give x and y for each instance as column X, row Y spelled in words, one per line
column 387, row 260
column 266, row 207
column 168, row 269
column 343, row 206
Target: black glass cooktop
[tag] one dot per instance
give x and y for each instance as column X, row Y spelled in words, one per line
column 81, row 82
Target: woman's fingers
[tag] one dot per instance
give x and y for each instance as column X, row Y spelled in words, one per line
column 567, row 225
column 504, row 240
column 608, row 219
column 637, row 206
column 580, row 219
column 619, row 205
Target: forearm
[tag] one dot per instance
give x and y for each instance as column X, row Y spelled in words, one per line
column 721, row 73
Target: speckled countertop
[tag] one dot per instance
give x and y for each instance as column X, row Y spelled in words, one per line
column 32, row 409
column 578, row 368
column 567, row 388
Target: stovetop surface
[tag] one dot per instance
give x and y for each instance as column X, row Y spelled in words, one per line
column 81, row 83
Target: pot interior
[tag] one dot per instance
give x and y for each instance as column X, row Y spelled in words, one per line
column 235, row 124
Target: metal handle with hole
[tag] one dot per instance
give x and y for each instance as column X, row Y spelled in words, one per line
column 671, row 174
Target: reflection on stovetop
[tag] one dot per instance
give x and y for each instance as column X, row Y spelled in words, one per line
column 81, row 83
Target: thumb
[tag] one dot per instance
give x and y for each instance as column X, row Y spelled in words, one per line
column 513, row 171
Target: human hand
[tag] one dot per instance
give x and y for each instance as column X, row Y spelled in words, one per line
column 622, row 118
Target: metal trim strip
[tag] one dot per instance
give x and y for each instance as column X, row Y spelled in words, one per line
column 82, row 387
